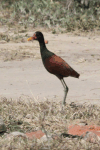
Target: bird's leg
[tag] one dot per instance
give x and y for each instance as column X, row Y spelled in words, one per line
column 65, row 90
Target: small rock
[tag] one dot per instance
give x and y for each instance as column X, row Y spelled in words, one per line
column 43, row 139
column 83, row 141
column 16, row 133
column 3, row 42
column 2, row 125
column 91, row 137
column 81, row 60
column 37, row 134
column 82, row 123
column 23, row 41
column 28, row 116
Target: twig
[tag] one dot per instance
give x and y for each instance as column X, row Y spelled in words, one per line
column 94, row 89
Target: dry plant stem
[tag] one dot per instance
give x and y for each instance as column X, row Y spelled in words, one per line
column 43, row 128
column 31, row 92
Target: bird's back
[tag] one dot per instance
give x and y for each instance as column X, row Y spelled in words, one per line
column 57, row 66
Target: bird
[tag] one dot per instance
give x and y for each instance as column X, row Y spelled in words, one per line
column 53, row 63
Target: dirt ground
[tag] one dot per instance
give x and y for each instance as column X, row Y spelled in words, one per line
column 23, row 74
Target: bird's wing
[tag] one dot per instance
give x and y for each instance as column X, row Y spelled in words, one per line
column 57, row 65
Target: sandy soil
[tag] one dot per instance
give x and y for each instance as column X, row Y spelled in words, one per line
column 23, row 74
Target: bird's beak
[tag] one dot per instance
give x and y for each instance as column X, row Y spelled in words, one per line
column 35, row 38
column 32, row 38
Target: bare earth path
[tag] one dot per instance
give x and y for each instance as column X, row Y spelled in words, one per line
column 28, row 77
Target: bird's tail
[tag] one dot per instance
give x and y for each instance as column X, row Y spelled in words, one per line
column 75, row 74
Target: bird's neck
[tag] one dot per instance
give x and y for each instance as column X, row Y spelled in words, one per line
column 45, row 53
column 42, row 46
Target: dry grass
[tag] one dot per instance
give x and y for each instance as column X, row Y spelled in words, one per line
column 18, row 54
column 13, row 47
column 45, row 116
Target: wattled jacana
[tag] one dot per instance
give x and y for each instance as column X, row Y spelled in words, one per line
column 53, row 63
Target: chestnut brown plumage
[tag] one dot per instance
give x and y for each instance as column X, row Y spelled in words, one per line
column 54, row 64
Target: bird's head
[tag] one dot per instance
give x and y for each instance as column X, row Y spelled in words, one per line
column 38, row 36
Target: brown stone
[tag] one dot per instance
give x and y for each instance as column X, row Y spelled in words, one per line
column 36, row 134
column 81, row 130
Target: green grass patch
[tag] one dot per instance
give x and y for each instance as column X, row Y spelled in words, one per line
column 55, row 15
